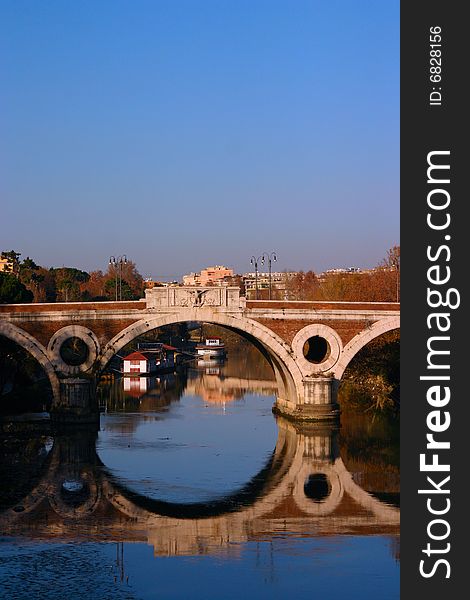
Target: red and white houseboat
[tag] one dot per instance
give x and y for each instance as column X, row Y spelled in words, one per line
column 142, row 362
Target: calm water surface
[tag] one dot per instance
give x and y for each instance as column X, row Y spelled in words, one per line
column 193, row 489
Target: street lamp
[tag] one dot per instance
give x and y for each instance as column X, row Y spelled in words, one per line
column 254, row 262
column 271, row 258
column 118, row 262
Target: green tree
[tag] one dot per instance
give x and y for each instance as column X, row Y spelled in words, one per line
column 29, row 274
column 372, row 379
column 12, row 291
column 29, row 264
column 124, row 290
column 68, row 280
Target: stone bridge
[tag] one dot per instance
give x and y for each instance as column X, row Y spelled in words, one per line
column 305, row 487
column 308, row 344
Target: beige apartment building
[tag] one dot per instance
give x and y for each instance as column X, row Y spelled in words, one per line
column 208, row 276
column 5, row 265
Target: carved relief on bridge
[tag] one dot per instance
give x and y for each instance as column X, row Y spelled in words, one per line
column 175, row 298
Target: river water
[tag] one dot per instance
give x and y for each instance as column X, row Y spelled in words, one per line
column 192, row 488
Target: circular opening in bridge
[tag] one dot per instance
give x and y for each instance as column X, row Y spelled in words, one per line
column 74, row 351
column 317, row 487
column 74, row 492
column 316, row 349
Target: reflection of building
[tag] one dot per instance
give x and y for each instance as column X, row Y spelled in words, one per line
column 136, row 386
column 215, row 387
column 217, row 395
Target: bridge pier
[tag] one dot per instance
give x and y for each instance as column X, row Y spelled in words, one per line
column 77, row 402
column 318, row 402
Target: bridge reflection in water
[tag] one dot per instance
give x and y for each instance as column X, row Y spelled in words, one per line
column 304, row 488
column 195, row 466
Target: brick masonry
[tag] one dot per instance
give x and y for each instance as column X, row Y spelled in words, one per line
column 105, row 320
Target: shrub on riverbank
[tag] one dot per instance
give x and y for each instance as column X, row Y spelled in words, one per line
column 372, row 380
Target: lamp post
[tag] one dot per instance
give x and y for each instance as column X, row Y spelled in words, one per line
column 254, row 261
column 118, row 262
column 272, row 257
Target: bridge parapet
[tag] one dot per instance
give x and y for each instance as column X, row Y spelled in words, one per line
column 173, row 299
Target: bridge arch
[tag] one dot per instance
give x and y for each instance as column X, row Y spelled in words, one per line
column 362, row 339
column 35, row 348
column 278, row 352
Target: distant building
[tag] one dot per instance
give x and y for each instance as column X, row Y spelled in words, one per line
column 6, row 265
column 279, row 282
column 192, row 279
column 343, row 270
column 208, row 276
column 150, row 283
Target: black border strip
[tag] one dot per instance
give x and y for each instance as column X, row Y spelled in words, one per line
column 426, row 128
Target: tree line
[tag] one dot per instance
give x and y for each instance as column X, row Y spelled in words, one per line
column 25, row 281
column 381, row 284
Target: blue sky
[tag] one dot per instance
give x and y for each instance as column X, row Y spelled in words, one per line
column 185, row 133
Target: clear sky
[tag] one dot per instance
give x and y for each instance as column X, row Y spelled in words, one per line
column 186, row 133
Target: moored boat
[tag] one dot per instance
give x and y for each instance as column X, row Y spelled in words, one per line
column 212, row 346
column 151, row 359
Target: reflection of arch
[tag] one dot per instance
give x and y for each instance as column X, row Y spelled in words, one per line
column 298, row 454
column 361, row 339
column 20, row 487
column 381, row 510
column 258, row 486
column 288, row 375
column 72, row 458
column 66, row 507
column 35, row 348
column 333, row 498
column 292, row 465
